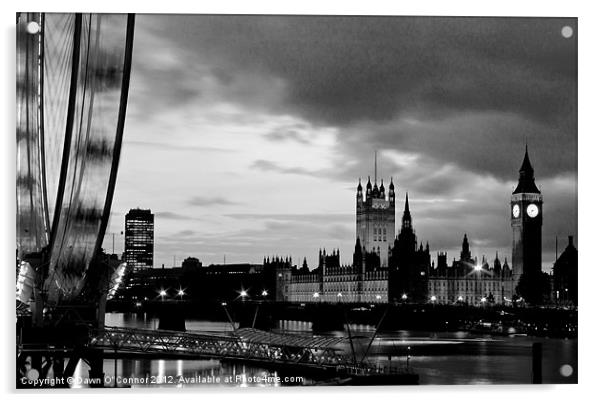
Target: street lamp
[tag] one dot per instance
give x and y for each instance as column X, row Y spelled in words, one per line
column 316, row 295
column 404, row 297
column 433, row 299
column 181, row 293
column 162, row 293
column 264, row 293
column 243, row 293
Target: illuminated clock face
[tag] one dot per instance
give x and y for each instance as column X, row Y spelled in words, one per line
column 515, row 210
column 532, row 210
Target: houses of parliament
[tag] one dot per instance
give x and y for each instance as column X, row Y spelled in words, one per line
column 391, row 266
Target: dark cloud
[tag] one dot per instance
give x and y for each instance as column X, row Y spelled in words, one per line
column 480, row 85
column 448, row 102
column 268, row 166
column 185, row 233
column 287, row 134
column 491, row 143
column 199, row 201
column 170, row 146
column 171, row 215
column 345, row 69
column 313, row 218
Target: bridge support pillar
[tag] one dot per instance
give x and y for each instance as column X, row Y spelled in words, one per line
column 96, row 373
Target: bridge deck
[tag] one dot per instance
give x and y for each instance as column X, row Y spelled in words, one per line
column 277, row 339
column 244, row 344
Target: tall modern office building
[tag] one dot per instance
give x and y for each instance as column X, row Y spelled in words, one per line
column 139, row 239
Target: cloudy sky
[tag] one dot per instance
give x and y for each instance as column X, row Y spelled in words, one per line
column 246, row 135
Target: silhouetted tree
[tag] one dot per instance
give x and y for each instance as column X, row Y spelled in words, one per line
column 534, row 287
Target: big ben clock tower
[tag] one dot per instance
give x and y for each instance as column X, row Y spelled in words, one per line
column 526, row 217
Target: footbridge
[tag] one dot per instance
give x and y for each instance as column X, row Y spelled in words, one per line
column 248, row 345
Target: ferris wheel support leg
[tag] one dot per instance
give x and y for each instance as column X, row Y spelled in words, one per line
column 37, row 309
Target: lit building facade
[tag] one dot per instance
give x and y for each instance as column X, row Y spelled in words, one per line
column 408, row 276
column 466, row 281
column 389, row 268
column 139, row 239
column 375, row 218
column 331, row 282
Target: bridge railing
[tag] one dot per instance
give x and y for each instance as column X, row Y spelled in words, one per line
column 219, row 346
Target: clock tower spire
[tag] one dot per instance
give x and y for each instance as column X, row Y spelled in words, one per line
column 526, row 221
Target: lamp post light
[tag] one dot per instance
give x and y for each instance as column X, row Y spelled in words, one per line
column 181, row 293
column 404, row 297
column 113, row 237
column 316, row 295
column 162, row 293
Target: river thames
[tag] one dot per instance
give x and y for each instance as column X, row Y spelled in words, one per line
column 438, row 358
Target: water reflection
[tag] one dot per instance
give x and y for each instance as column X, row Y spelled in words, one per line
column 439, row 358
column 185, row 373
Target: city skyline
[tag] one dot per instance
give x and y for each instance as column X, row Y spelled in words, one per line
column 246, row 135
column 296, row 200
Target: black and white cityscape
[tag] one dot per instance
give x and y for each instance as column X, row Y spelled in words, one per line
column 288, row 200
